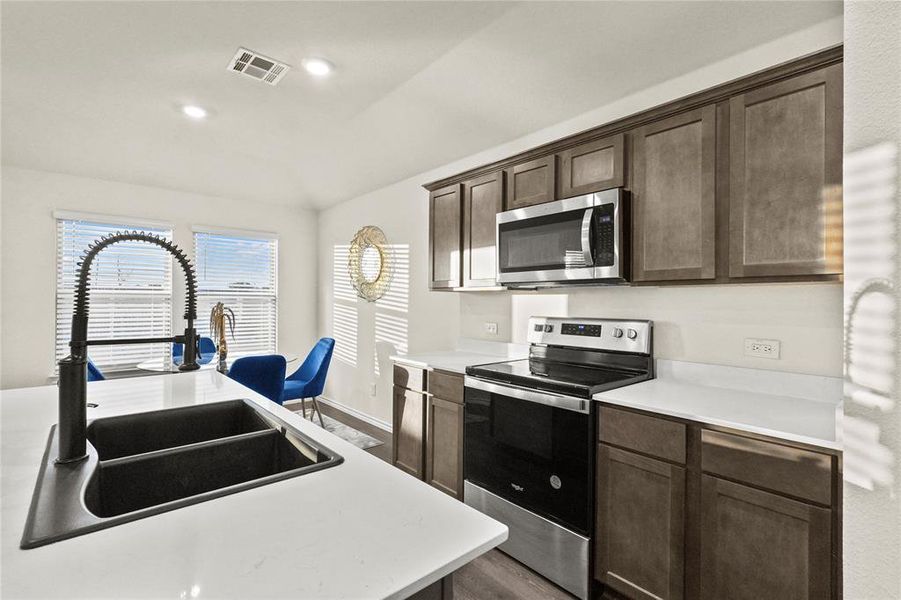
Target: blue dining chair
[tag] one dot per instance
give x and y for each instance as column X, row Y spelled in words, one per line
column 309, row 380
column 263, row 374
column 207, row 351
column 94, row 374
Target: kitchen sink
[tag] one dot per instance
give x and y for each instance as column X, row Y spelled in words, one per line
column 144, row 464
column 127, row 435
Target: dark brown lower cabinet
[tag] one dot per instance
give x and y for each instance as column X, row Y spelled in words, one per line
column 444, row 446
column 428, row 427
column 686, row 510
column 408, row 423
column 640, row 525
column 755, row 544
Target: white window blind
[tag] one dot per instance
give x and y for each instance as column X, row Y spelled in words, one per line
column 242, row 273
column 131, row 292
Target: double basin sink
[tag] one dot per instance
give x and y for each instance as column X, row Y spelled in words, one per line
column 143, row 464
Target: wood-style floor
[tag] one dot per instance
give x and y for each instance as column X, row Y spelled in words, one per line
column 492, row 576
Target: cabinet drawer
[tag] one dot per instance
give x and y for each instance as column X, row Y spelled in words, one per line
column 446, row 386
column 412, row 378
column 800, row 473
column 649, row 435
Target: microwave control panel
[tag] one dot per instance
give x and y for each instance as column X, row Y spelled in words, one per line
column 606, row 235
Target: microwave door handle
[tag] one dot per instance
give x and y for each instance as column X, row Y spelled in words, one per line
column 586, row 237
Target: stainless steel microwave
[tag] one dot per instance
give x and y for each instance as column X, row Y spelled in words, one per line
column 577, row 240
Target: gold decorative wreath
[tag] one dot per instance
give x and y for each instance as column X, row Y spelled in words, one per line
column 370, row 263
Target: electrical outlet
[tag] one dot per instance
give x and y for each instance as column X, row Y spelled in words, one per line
column 762, row 348
column 491, row 328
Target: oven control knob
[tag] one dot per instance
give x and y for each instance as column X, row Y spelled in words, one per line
column 632, row 334
column 555, row 482
column 617, row 332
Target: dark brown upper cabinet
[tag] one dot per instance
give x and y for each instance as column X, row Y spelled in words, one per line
column 445, row 239
column 759, row 545
column 738, row 183
column 785, row 177
column 674, row 197
column 532, row 182
column 640, row 525
column 591, row 167
column 483, row 198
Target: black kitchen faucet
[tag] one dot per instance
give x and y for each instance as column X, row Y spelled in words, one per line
column 73, row 370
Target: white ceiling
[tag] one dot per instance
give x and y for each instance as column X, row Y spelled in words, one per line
column 93, row 89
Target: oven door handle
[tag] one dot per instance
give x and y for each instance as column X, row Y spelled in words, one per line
column 520, row 393
column 586, row 238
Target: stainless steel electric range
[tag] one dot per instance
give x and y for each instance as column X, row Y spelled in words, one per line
column 530, row 437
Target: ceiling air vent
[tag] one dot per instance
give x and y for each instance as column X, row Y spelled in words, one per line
column 262, row 68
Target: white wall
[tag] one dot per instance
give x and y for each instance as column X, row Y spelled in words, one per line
column 704, row 324
column 872, row 457
column 29, row 256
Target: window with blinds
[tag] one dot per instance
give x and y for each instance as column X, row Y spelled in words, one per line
column 242, row 273
column 131, row 292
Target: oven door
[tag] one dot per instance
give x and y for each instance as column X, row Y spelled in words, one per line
column 548, row 242
column 535, row 449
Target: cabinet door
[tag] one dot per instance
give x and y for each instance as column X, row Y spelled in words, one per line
column 445, row 240
column 444, row 453
column 640, row 525
column 531, row 183
column 786, row 173
column 408, row 430
column 597, row 165
column 759, row 545
column 482, row 199
column 673, row 198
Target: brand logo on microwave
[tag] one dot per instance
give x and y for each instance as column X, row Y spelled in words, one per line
column 518, row 488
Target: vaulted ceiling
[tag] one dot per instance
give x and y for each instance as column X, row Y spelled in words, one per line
column 95, row 88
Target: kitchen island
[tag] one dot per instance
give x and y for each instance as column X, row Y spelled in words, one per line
column 361, row 529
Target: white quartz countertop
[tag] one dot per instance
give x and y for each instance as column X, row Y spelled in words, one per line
column 788, row 406
column 362, row 529
column 467, row 354
column 453, row 360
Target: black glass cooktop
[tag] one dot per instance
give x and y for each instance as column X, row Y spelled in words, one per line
column 564, row 378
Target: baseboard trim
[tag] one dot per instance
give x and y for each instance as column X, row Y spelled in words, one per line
column 383, row 425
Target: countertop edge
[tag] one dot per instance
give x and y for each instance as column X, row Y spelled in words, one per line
column 410, row 362
column 449, row 568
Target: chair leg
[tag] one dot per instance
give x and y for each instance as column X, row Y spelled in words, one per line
column 303, row 407
column 318, row 410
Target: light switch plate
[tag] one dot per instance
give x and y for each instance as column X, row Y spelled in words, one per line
column 491, row 328
column 762, row 348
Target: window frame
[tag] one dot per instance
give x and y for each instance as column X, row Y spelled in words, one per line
column 202, row 315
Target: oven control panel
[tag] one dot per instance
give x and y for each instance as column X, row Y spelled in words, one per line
column 619, row 335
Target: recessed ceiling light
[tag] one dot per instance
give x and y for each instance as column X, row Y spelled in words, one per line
column 195, row 112
column 317, row 66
